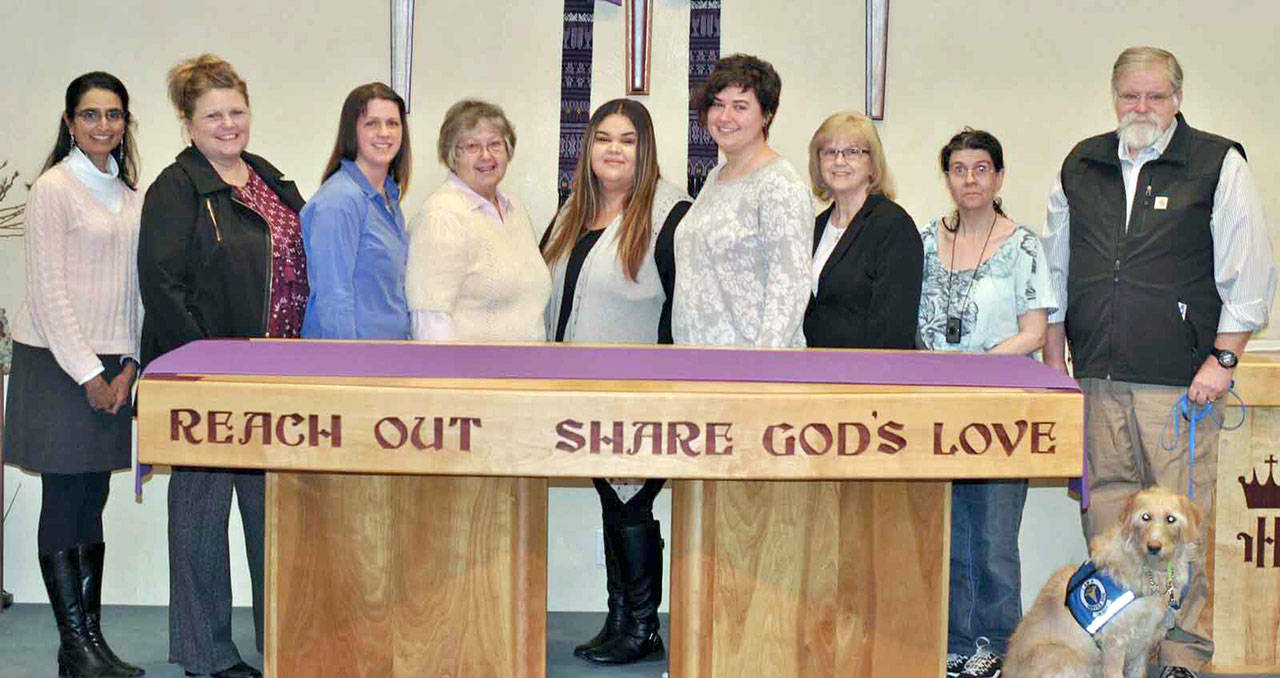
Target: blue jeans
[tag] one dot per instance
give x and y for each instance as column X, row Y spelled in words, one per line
column 986, row 571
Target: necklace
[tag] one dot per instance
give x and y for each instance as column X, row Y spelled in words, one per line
column 955, row 324
column 1169, row 592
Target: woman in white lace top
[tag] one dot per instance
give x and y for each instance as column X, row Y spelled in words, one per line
column 742, row 252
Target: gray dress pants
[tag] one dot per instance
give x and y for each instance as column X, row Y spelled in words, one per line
column 200, row 567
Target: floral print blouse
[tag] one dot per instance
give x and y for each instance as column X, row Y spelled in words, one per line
column 988, row 299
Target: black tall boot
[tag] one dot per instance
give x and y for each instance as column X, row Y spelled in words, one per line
column 77, row 655
column 640, row 551
column 90, row 557
column 613, row 583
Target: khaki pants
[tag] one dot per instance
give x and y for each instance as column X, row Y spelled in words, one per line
column 1126, row 428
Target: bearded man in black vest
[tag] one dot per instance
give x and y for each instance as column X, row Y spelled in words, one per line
column 1156, row 238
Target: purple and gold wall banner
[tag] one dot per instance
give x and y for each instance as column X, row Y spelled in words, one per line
column 704, row 52
column 575, row 88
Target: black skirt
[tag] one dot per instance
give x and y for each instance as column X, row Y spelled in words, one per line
column 50, row 426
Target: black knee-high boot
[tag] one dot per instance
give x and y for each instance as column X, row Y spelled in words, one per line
column 640, row 551
column 91, row 557
column 613, row 583
column 77, row 655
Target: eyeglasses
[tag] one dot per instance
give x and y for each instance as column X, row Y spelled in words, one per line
column 473, row 148
column 849, row 154
column 979, row 171
column 91, row 116
column 1133, row 98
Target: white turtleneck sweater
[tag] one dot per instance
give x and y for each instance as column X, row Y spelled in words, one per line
column 82, row 277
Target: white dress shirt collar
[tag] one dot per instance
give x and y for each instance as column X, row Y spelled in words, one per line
column 478, row 202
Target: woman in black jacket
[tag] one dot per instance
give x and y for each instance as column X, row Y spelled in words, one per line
column 867, row 252
column 220, row 254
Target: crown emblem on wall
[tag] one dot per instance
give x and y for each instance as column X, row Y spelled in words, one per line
column 1262, row 495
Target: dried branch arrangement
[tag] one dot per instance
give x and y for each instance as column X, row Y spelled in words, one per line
column 10, row 216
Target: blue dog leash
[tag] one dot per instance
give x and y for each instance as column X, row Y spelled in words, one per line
column 1193, row 413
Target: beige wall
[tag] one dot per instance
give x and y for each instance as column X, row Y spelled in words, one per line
column 1033, row 73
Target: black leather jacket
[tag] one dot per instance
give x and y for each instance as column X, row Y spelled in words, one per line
column 204, row 257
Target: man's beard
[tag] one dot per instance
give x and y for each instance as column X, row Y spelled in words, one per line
column 1139, row 130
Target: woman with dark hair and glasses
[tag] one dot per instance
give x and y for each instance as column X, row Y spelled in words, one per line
column 986, row 290
column 75, row 355
column 353, row 227
column 612, row 273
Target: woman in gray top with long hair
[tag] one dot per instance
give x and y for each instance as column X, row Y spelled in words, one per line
column 612, row 272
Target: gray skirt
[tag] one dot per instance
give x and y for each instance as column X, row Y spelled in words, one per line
column 49, row 426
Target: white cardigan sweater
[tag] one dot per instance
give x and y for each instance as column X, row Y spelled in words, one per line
column 607, row 306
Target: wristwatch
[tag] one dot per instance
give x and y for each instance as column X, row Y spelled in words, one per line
column 1225, row 357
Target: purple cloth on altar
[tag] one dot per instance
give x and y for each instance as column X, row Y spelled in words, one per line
column 564, row 361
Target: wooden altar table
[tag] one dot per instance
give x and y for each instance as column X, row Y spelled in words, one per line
column 406, row 493
column 1244, row 565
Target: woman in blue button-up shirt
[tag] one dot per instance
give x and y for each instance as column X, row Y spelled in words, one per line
column 353, row 227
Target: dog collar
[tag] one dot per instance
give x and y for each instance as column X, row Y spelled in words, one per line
column 1170, row 591
column 1093, row 598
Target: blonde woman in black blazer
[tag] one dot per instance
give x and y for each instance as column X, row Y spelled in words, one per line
column 867, row 251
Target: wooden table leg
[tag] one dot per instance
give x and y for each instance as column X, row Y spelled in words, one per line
column 406, row 575
column 809, row 578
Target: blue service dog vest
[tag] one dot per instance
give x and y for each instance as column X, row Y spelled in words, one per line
column 1094, row 598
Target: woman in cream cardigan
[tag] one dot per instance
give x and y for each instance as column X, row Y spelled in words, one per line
column 474, row 272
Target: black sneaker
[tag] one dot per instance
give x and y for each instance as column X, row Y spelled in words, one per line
column 1178, row 672
column 955, row 664
column 984, row 664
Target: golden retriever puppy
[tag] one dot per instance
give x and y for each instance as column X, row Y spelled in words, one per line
column 1147, row 552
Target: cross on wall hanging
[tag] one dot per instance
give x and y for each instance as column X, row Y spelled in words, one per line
column 575, row 63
